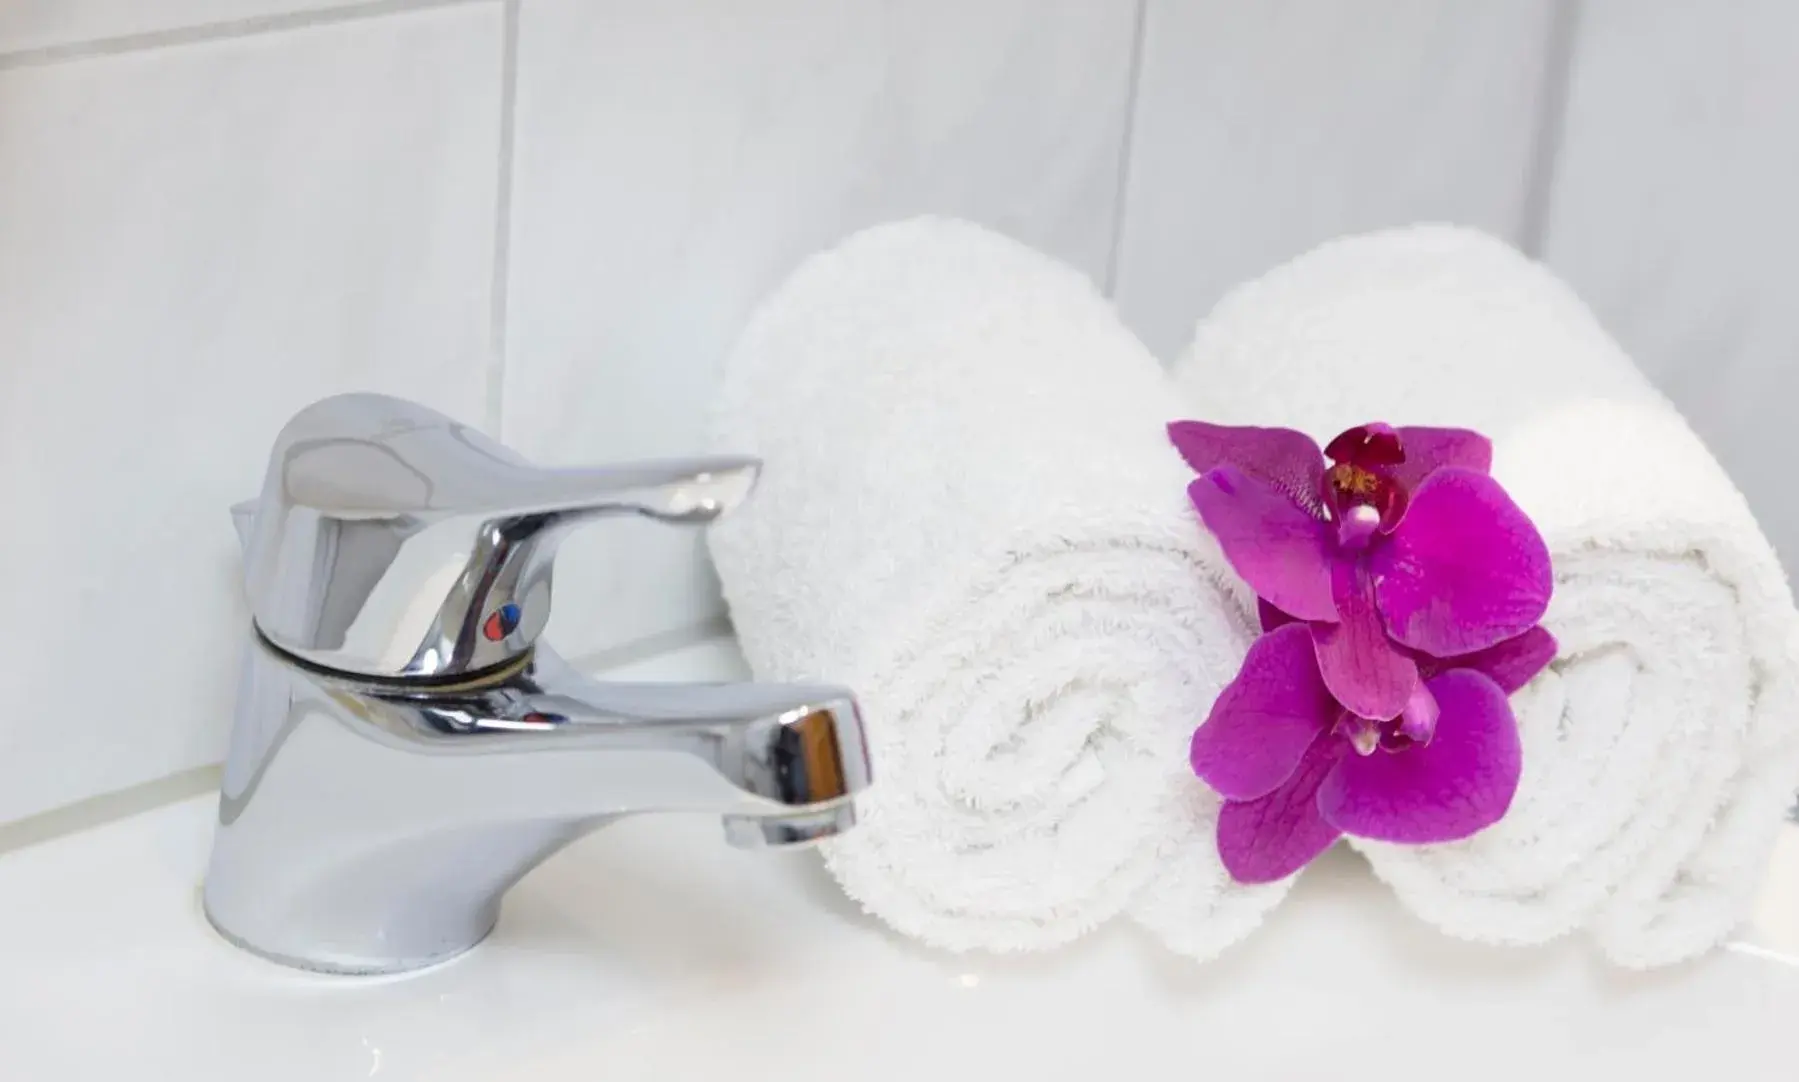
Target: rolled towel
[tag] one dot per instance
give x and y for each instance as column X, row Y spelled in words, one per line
column 970, row 513
column 1663, row 745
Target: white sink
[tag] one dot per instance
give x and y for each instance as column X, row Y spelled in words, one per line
column 652, row 950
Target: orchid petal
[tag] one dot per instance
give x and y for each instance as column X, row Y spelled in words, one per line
column 1370, row 676
column 1265, row 719
column 1281, row 457
column 1466, row 569
column 1270, row 617
column 1510, row 664
column 1428, row 450
column 1274, row 836
column 1278, row 547
column 1459, row 783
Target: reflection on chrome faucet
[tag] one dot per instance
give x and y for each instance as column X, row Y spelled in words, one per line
column 404, row 749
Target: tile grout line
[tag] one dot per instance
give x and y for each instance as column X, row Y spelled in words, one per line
column 1552, row 112
column 498, row 291
column 250, row 26
column 104, row 808
column 1121, row 189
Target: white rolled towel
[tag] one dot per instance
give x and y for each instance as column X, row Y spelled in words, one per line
column 970, row 513
column 1663, row 745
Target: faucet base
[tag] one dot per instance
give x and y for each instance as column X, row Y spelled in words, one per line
column 348, row 966
column 363, row 904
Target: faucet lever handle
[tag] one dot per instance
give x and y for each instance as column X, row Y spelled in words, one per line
column 686, row 490
column 391, row 541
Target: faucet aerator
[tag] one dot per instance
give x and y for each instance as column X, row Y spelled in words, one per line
column 789, row 831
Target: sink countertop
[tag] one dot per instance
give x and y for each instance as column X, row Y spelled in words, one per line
column 652, row 950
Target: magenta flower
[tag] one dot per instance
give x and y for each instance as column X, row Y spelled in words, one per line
column 1289, row 761
column 1404, row 545
column 1400, row 590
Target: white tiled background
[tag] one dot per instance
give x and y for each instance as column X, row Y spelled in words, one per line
column 551, row 216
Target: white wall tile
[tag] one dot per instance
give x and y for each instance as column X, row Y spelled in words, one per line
column 674, row 160
column 37, row 24
column 1675, row 212
column 1262, row 129
column 195, row 242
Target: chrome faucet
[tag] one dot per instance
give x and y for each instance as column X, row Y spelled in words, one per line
column 404, row 749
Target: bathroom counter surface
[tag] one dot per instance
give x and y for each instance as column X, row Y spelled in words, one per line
column 652, row 950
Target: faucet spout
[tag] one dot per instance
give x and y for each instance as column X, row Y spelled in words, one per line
column 373, row 826
column 743, row 749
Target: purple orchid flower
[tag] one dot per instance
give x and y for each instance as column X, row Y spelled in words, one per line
column 1280, row 750
column 1400, row 590
column 1402, row 546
